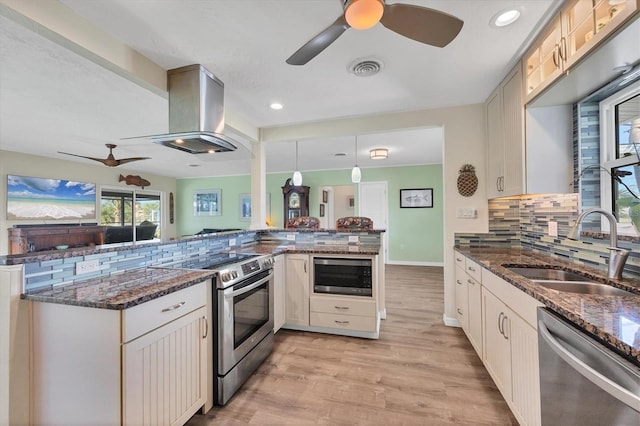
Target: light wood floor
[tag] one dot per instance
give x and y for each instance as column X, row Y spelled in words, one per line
column 419, row 372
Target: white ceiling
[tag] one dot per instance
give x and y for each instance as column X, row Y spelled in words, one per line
column 53, row 99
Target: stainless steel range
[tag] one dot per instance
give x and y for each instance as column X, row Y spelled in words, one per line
column 243, row 299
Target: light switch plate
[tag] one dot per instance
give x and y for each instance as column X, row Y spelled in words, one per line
column 291, row 237
column 553, row 228
column 353, row 238
column 467, row 213
column 232, row 241
column 87, row 266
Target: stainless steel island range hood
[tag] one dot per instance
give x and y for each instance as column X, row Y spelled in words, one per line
column 196, row 112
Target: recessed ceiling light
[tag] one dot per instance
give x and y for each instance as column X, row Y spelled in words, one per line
column 276, row 106
column 505, row 17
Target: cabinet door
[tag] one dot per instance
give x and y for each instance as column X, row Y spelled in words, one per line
column 279, row 293
column 495, row 146
column 524, row 363
column 474, row 314
column 543, row 61
column 297, row 289
column 462, row 300
column 513, row 134
column 497, row 348
column 165, row 372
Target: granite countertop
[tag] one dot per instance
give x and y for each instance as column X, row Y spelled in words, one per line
column 121, row 291
column 601, row 316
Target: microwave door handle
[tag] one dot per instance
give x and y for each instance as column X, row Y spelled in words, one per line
column 607, row 385
column 248, row 288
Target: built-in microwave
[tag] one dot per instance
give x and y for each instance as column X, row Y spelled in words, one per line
column 351, row 276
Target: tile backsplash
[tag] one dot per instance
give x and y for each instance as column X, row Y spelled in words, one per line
column 523, row 222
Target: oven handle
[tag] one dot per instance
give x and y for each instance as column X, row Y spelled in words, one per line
column 246, row 289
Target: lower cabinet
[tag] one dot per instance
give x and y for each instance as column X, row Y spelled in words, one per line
column 297, row 284
column 279, row 293
column 500, row 322
column 139, row 366
column 346, row 313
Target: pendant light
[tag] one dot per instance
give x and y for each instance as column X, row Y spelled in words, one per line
column 355, row 172
column 297, row 176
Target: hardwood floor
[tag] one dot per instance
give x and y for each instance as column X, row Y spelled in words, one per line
column 419, row 372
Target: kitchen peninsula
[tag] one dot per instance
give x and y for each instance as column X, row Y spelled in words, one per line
column 100, row 326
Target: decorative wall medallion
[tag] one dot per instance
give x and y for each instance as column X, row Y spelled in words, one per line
column 467, row 181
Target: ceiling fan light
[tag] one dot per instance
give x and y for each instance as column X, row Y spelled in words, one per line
column 356, row 175
column 379, row 154
column 363, row 14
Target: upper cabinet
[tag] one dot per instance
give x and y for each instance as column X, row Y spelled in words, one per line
column 505, row 138
column 579, row 27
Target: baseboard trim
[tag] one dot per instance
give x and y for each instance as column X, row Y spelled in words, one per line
column 450, row 322
column 411, row 263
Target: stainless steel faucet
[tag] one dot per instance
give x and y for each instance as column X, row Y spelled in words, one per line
column 617, row 256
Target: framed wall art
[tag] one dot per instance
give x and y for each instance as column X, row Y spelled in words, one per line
column 207, row 202
column 416, row 198
column 38, row 198
column 245, row 207
column 321, row 210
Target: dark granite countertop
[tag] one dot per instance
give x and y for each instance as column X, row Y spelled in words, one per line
column 600, row 316
column 121, row 291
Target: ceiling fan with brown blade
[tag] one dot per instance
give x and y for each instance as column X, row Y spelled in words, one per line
column 422, row 24
column 110, row 161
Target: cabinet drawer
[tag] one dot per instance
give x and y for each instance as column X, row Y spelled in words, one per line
column 345, row 322
column 459, row 259
column 150, row 315
column 338, row 305
column 473, row 269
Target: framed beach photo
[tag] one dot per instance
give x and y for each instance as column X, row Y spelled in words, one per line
column 207, row 202
column 245, row 206
column 35, row 198
column 416, row 198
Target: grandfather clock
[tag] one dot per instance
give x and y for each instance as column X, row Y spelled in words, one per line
column 296, row 200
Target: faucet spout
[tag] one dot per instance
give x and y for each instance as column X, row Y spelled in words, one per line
column 617, row 256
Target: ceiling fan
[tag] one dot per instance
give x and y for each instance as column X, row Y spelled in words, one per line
column 110, row 161
column 422, row 24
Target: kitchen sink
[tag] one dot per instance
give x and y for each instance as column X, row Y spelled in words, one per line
column 583, row 287
column 567, row 281
column 535, row 273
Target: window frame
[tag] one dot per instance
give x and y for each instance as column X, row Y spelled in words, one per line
column 609, row 142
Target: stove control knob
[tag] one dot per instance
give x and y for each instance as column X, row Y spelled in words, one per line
column 225, row 276
column 234, row 274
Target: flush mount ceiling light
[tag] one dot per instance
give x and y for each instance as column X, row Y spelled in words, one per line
column 379, row 154
column 297, row 176
column 355, row 172
column 363, row 14
column 276, row 106
column 505, row 17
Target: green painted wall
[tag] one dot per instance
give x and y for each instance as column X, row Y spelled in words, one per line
column 415, row 235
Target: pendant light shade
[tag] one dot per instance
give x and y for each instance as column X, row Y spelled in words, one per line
column 297, row 176
column 356, row 175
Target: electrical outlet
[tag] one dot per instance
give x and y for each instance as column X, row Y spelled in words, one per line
column 291, row 237
column 353, row 238
column 232, row 242
column 87, row 266
column 553, row 228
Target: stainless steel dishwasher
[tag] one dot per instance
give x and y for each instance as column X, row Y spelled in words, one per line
column 581, row 381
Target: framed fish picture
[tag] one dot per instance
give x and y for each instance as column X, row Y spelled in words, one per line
column 34, row 198
column 416, row 198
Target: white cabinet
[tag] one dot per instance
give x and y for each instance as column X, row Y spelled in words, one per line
column 505, row 137
column 279, row 293
column 143, row 365
column 474, row 297
column 352, row 313
column 469, row 300
column 297, row 286
column 575, row 32
column 462, row 300
column 511, row 345
column 164, row 378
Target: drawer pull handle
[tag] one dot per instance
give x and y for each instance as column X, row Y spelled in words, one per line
column 471, row 268
column 176, row 306
column 342, row 308
column 470, row 281
column 341, row 322
column 458, row 259
column 206, row 327
column 459, row 282
column 459, row 311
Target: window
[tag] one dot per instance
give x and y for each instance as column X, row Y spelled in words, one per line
column 620, row 138
column 121, row 209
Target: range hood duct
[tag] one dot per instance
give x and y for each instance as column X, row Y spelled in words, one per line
column 196, row 112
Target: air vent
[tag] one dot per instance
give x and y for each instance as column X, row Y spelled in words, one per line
column 365, row 67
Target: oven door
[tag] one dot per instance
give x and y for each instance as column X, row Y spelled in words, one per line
column 245, row 317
